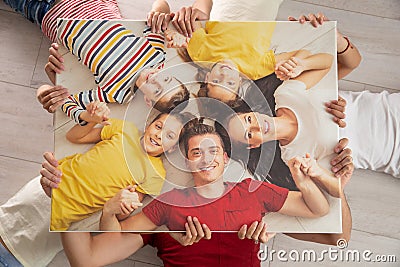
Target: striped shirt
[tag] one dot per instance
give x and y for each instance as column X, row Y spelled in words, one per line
column 78, row 9
column 114, row 55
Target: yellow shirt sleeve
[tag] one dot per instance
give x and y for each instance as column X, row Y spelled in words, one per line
column 108, row 131
column 196, row 44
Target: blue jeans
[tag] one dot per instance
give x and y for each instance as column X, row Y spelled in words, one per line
column 7, row 259
column 33, row 10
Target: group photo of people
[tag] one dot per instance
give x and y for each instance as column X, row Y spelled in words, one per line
column 190, row 134
column 181, row 89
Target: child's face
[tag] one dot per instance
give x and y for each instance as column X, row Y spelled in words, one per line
column 223, row 81
column 162, row 135
column 157, row 85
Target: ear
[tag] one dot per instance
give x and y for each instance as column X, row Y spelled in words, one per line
column 226, row 158
column 148, row 102
column 206, row 78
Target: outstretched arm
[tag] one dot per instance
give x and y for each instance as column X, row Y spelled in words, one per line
column 322, row 177
column 310, row 201
column 332, row 239
column 348, row 57
column 110, row 222
column 83, row 249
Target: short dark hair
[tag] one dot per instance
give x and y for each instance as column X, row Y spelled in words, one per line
column 177, row 102
column 203, row 92
column 196, row 127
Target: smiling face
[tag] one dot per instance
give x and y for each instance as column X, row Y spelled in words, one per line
column 162, row 135
column 223, row 81
column 251, row 128
column 157, row 86
column 206, row 158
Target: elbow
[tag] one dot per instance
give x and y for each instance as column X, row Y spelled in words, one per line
column 340, row 240
column 357, row 61
column 70, row 137
column 322, row 211
column 329, row 60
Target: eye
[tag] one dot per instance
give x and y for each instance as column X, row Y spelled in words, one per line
column 171, row 136
column 249, row 135
column 214, row 151
column 196, row 153
column 249, row 119
column 158, row 126
column 231, row 83
column 215, row 81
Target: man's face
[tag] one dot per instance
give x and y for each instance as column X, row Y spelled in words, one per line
column 206, row 158
column 157, row 85
column 162, row 135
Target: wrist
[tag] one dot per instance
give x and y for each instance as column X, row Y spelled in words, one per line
column 343, row 45
column 304, row 186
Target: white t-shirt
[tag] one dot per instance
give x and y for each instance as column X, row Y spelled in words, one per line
column 373, row 130
column 316, row 132
column 25, row 223
column 240, row 10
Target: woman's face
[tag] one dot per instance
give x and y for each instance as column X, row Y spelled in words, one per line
column 162, row 135
column 251, row 128
column 223, row 81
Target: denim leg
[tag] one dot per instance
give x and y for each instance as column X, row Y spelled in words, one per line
column 7, row 259
column 33, row 10
column 17, row 5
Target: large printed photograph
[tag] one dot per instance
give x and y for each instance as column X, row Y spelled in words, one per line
column 226, row 127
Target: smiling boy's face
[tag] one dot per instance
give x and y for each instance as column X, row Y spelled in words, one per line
column 162, row 135
column 206, row 158
column 157, row 86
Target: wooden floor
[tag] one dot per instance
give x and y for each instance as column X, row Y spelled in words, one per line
column 374, row 198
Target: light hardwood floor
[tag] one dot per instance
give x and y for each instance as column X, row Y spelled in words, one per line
column 374, row 198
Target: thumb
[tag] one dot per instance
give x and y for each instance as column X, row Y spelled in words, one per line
column 290, row 18
column 132, row 188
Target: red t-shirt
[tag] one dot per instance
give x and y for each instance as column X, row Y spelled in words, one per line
column 223, row 249
column 242, row 203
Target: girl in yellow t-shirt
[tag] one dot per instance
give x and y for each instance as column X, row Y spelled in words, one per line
column 235, row 48
column 121, row 157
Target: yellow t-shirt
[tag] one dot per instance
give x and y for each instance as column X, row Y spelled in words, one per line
column 245, row 43
column 90, row 179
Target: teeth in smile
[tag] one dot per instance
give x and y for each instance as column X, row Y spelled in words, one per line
column 154, row 142
column 207, row 168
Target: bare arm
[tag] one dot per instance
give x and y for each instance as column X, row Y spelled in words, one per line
column 348, row 60
column 309, row 202
column 203, row 5
column 84, row 134
column 83, row 249
column 331, row 239
column 322, row 177
column 160, row 6
column 137, row 222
